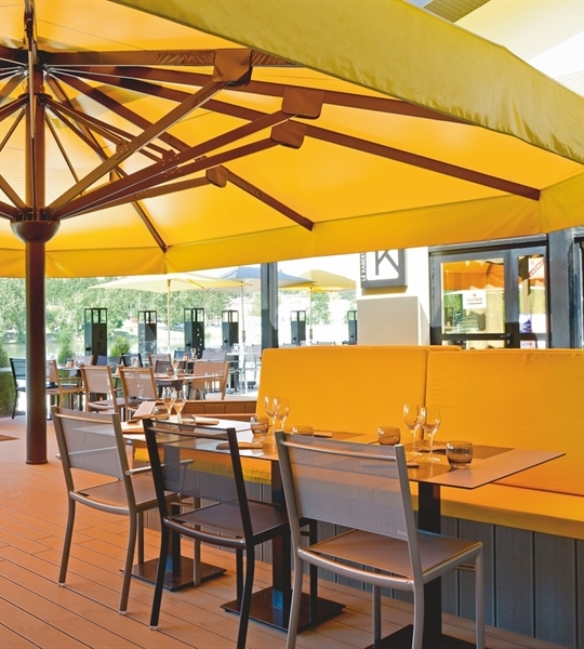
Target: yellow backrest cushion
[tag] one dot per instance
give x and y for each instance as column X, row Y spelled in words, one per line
column 352, row 388
column 515, row 398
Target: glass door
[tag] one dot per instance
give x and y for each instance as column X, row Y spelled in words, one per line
column 490, row 299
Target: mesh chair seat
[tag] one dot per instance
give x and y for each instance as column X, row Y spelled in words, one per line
column 366, row 488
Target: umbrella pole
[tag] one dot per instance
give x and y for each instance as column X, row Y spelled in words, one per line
column 310, row 316
column 241, row 362
column 168, row 313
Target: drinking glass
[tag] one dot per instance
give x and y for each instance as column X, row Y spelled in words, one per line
column 168, row 396
column 283, row 410
column 179, row 403
column 271, row 408
column 259, row 428
column 430, row 424
column 413, row 420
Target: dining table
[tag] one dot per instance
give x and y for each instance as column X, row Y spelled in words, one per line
column 271, row 606
column 489, row 464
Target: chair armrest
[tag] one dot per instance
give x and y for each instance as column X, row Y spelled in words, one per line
column 141, row 469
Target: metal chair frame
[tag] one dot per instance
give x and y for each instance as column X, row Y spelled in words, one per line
column 366, row 489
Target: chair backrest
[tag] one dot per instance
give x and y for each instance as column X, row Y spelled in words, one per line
column 179, row 354
column 98, row 379
column 138, row 384
column 18, row 366
column 210, row 354
column 184, row 460
column 90, row 442
column 152, row 358
column 345, row 483
column 208, row 368
column 132, row 360
column 162, row 366
column 52, row 373
column 112, row 361
column 83, row 360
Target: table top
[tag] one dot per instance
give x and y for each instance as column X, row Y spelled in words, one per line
column 489, row 463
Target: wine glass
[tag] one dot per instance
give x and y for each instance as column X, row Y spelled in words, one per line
column 271, row 408
column 168, row 396
column 430, row 424
column 179, row 403
column 282, row 411
column 412, row 417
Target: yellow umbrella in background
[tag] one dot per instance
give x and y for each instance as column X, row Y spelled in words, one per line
column 322, row 281
column 169, row 284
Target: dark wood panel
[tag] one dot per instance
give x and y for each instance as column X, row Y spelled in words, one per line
column 514, row 581
column 555, row 589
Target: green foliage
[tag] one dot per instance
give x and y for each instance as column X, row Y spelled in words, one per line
column 65, row 350
column 121, row 345
column 6, row 385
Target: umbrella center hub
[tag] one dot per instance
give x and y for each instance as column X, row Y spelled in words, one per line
column 35, row 230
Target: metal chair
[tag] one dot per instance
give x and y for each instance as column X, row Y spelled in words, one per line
column 56, row 388
column 366, row 488
column 181, row 464
column 18, row 366
column 138, row 384
column 101, row 394
column 131, row 360
column 94, row 442
column 208, row 374
column 152, row 358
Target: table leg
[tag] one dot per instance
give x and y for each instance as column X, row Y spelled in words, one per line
column 428, row 520
column 272, row 605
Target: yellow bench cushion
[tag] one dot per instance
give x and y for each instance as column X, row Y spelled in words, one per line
column 352, row 388
column 519, row 399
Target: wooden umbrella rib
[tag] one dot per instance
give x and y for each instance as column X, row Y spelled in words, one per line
column 274, row 203
column 122, row 111
column 150, row 133
column 423, row 162
column 155, row 192
column 114, row 135
column 332, row 97
column 59, row 144
column 81, row 206
column 12, row 195
column 187, row 58
column 161, row 171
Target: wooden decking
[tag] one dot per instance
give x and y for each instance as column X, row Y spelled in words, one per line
column 35, row 612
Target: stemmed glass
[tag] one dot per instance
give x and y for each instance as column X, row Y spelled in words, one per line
column 179, row 403
column 271, row 408
column 168, row 396
column 283, row 410
column 412, row 417
column 430, row 424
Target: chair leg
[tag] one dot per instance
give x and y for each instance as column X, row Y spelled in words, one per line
column 157, row 598
column 418, row 633
column 239, row 575
column 296, row 600
column 480, row 602
column 376, row 613
column 245, row 605
column 140, row 537
column 127, row 578
column 67, row 542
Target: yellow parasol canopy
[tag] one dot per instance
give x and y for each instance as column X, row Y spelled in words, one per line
column 259, row 145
